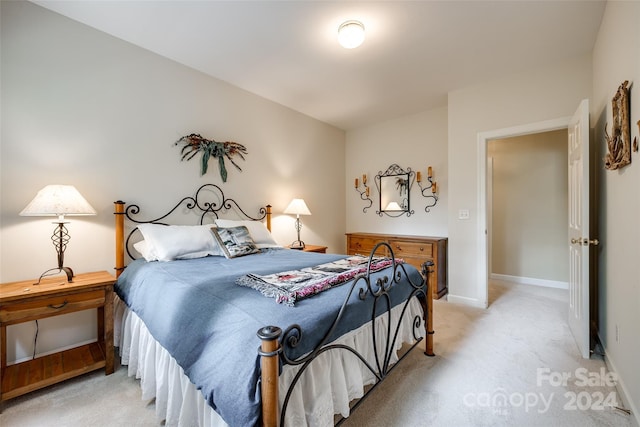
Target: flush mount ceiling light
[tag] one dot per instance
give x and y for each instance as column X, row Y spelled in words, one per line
column 351, row 34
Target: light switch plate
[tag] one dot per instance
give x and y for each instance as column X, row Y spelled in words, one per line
column 463, row 214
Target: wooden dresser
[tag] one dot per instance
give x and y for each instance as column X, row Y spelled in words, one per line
column 415, row 250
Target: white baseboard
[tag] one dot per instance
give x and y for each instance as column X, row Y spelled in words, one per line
column 621, row 387
column 530, row 281
column 473, row 302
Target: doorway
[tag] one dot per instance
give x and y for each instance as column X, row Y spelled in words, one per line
column 527, row 209
column 483, row 209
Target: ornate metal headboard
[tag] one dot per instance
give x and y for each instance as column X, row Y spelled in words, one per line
column 208, row 202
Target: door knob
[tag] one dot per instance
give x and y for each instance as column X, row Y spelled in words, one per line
column 585, row 242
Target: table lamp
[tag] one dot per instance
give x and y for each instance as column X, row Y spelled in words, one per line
column 297, row 207
column 58, row 200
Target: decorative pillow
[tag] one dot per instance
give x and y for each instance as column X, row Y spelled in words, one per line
column 235, row 241
column 259, row 232
column 171, row 242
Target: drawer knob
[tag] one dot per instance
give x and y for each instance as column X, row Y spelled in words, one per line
column 56, row 307
column 421, row 249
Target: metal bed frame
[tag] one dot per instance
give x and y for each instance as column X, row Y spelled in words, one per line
column 209, row 201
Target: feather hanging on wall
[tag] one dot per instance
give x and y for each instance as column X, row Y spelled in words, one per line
column 195, row 143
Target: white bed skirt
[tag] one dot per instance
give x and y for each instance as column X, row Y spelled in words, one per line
column 314, row 402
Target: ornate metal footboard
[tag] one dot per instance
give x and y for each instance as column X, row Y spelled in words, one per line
column 276, row 343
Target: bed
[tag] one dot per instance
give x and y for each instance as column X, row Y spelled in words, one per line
column 214, row 350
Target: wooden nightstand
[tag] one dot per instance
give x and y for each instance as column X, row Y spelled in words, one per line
column 24, row 301
column 313, row 248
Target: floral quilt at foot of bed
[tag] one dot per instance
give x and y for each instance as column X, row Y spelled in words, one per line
column 287, row 287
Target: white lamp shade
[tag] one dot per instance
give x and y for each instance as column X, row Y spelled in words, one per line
column 393, row 206
column 297, row 207
column 351, row 34
column 57, row 200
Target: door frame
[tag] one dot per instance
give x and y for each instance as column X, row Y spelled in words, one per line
column 483, row 208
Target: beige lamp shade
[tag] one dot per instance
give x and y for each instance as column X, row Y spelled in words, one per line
column 393, row 206
column 297, row 207
column 58, row 200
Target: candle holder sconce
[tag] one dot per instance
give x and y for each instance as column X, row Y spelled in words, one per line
column 365, row 192
column 429, row 191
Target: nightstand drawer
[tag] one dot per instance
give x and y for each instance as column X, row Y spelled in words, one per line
column 404, row 248
column 50, row 306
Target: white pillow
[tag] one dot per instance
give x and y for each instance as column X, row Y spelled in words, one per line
column 259, row 232
column 171, row 242
column 145, row 250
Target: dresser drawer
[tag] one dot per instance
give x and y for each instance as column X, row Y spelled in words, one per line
column 416, row 262
column 364, row 246
column 405, row 248
column 51, row 306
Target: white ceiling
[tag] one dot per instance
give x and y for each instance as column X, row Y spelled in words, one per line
column 415, row 52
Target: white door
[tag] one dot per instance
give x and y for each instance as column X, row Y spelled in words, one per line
column 579, row 239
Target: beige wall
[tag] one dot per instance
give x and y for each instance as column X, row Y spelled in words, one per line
column 616, row 57
column 529, row 210
column 81, row 107
column 546, row 93
column 415, row 142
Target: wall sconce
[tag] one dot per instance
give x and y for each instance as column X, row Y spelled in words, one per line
column 297, row 207
column 430, row 191
column 58, row 200
column 365, row 192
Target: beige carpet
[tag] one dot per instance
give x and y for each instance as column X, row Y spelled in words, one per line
column 494, row 367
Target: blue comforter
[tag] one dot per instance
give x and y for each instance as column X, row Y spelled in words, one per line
column 208, row 324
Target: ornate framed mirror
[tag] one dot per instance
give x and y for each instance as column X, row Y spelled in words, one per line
column 394, row 189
